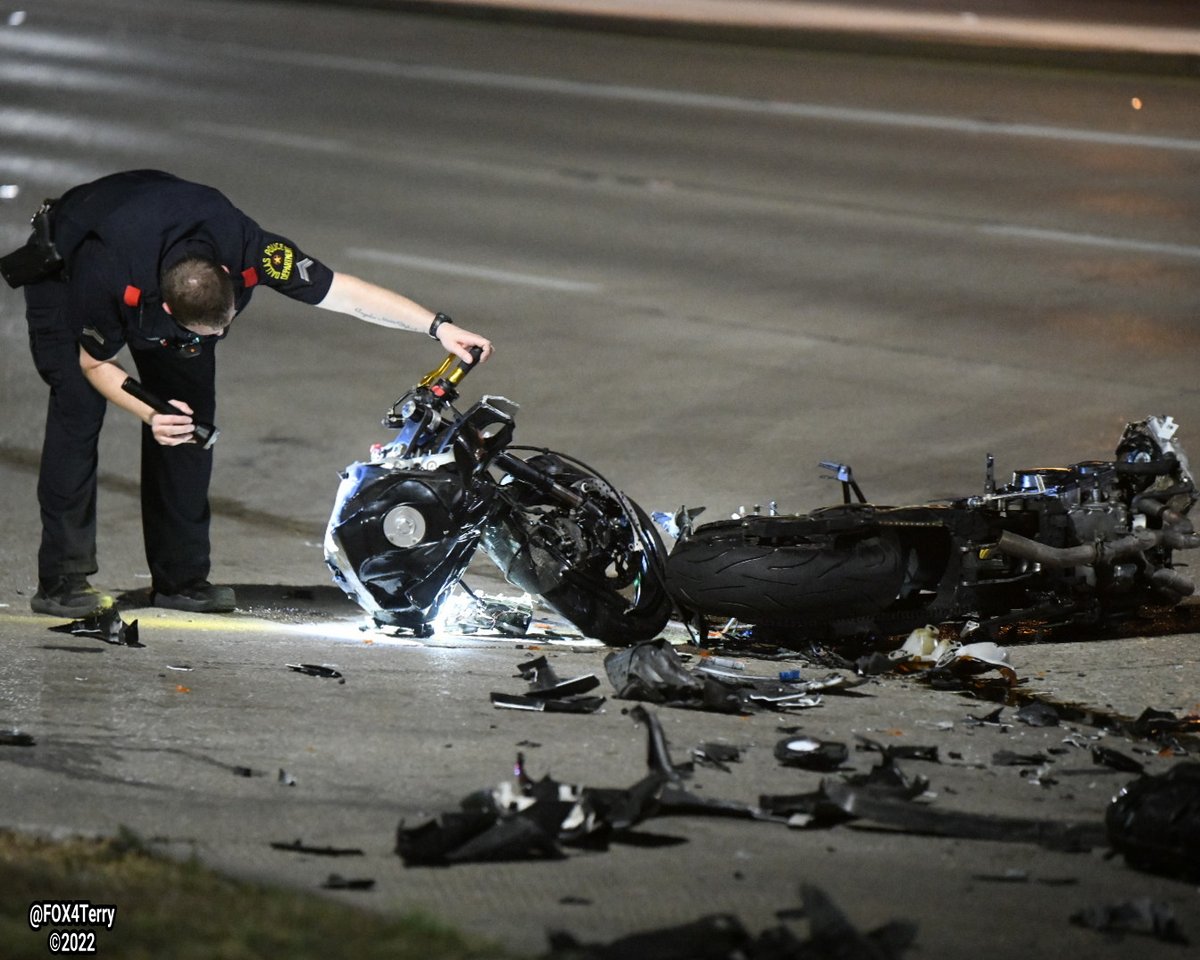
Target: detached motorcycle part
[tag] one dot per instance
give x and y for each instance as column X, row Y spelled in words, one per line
column 721, row 571
column 204, row 434
column 569, row 537
column 399, row 540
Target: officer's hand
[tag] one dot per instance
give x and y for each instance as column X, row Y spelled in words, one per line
column 171, row 429
column 459, row 342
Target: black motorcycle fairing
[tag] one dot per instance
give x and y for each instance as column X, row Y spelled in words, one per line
column 403, row 579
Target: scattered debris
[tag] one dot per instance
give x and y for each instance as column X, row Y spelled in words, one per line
column 538, row 819
column 481, row 612
column 286, row 778
column 246, row 772
column 924, row 820
column 654, row 672
column 1155, row 822
column 717, row 755
column 15, row 738
column 1038, row 713
column 298, row 846
column 548, row 693
column 720, row 936
column 107, row 625
column 810, row 753
column 335, row 881
column 316, row 670
column 1108, row 757
column 1141, row 916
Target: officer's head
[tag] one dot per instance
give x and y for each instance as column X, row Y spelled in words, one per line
column 198, row 293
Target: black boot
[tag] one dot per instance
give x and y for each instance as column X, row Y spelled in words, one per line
column 198, row 596
column 69, row 596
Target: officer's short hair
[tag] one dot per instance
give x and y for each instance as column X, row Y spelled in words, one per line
column 198, row 291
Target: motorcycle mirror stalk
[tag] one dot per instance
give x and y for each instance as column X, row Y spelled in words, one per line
column 204, row 434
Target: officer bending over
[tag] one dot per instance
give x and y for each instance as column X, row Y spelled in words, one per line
column 160, row 265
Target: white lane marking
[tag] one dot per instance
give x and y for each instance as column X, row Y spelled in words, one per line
column 747, row 105
column 1089, row 240
column 274, row 138
column 466, row 270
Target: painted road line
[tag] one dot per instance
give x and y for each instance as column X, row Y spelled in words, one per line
column 473, row 271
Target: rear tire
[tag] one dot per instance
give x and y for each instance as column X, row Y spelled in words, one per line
column 812, row 579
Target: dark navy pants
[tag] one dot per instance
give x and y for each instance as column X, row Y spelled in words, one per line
column 174, row 480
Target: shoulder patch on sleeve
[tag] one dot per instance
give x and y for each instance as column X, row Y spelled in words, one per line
column 278, row 260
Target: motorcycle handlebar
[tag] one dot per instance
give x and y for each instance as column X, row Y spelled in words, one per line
column 452, row 370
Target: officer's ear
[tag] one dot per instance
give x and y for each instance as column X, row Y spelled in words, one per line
column 166, row 306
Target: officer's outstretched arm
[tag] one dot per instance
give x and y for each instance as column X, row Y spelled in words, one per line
column 106, row 376
column 375, row 304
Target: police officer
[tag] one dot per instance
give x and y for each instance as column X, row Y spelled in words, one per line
column 160, row 265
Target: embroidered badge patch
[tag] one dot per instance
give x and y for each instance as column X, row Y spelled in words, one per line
column 277, row 260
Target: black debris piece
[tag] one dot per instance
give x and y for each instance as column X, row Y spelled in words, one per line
column 511, row 701
column 107, row 625
column 1010, row 758
column 655, row 673
column 722, row 936
column 245, row 772
column 538, row 819
column 15, row 738
column 1155, row 822
column 545, row 683
column 335, row 881
column 1141, row 916
column 988, row 720
column 899, row 751
column 1165, row 728
column 1037, row 713
column 925, row 820
column 571, row 900
column 298, row 846
column 315, row 670
column 286, row 778
column 1108, row 757
column 548, row 693
column 887, row 779
column 810, row 753
column 717, row 755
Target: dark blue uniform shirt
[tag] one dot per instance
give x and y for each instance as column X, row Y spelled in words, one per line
column 118, row 234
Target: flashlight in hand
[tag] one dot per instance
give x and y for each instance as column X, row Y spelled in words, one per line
column 204, row 434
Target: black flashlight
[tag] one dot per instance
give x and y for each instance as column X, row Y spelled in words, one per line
column 204, row 434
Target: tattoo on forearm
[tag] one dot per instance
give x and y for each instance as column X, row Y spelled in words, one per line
column 380, row 318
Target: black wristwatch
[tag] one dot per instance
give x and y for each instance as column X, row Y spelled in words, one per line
column 438, row 320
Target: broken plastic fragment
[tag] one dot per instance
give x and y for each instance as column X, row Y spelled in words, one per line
column 336, row 881
column 107, row 625
column 1141, row 916
column 286, row 778
column 297, row 846
column 1038, row 713
column 545, row 683
column 810, row 753
column 921, row 819
column 15, row 738
column 721, row 936
column 1155, row 822
column 314, row 670
column 1108, row 757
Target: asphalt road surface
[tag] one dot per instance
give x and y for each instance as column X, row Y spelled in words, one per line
column 705, row 268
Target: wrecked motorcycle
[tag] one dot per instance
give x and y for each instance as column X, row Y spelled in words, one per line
column 406, row 524
column 1083, row 543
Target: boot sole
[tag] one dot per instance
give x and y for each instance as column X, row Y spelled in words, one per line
column 52, row 608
